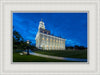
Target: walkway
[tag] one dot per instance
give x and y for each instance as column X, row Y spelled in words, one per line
column 56, row 57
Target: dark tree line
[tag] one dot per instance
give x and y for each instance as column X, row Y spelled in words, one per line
column 19, row 43
column 76, row 47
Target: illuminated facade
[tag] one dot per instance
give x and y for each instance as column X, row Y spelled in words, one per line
column 46, row 41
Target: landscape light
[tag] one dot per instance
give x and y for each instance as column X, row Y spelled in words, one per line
column 28, row 42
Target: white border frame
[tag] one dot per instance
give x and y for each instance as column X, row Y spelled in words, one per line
column 6, row 68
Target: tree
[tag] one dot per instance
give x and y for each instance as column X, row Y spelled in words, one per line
column 17, row 36
column 76, row 47
column 18, row 40
column 19, row 43
column 82, row 47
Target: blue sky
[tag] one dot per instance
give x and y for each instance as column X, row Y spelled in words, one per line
column 71, row 26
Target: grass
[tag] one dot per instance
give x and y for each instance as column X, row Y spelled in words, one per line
column 61, row 53
column 68, row 53
column 31, row 58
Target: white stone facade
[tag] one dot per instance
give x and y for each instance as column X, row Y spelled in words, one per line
column 46, row 41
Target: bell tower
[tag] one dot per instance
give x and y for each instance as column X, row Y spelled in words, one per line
column 41, row 25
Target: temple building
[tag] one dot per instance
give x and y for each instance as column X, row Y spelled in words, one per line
column 46, row 41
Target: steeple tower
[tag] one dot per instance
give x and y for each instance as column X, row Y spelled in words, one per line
column 46, row 41
column 41, row 24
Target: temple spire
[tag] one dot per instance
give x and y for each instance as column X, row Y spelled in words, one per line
column 41, row 24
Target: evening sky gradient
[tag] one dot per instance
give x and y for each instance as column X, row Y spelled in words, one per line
column 70, row 26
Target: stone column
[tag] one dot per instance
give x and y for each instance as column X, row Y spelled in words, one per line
column 45, row 42
column 51, row 43
column 56, row 43
column 60, row 43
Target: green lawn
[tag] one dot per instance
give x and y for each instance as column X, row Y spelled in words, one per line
column 68, row 53
column 65, row 53
column 31, row 58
